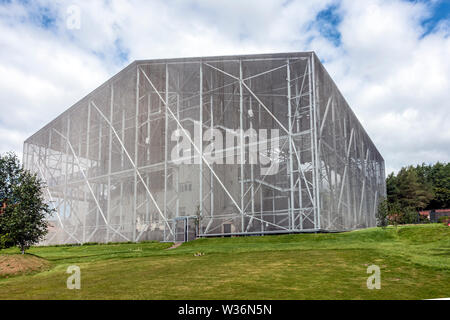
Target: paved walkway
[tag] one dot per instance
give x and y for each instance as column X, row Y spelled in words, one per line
column 175, row 245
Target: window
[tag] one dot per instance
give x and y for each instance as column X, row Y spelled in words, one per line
column 185, row 187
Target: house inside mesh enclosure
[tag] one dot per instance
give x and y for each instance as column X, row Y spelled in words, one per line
column 216, row 146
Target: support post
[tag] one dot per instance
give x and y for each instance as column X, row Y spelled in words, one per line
column 291, row 164
column 108, row 210
column 200, row 140
column 136, row 151
column 242, row 147
column 166, row 125
column 317, row 164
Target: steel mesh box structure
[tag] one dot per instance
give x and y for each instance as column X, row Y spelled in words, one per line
column 298, row 161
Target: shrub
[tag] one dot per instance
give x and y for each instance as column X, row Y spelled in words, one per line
column 445, row 220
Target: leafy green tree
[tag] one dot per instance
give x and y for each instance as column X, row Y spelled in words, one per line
column 5, row 241
column 439, row 177
column 416, row 188
column 383, row 213
column 411, row 192
column 395, row 213
column 409, row 215
column 23, row 220
column 392, row 188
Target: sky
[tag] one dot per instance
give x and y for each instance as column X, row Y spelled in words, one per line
column 389, row 58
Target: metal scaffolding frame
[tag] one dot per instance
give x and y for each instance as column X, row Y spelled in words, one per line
column 300, row 161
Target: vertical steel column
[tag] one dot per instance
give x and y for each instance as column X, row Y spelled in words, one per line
column 317, row 163
column 66, row 167
column 38, row 162
column 252, row 169
column 363, row 189
column 261, row 193
column 348, row 175
column 334, row 206
column 136, row 148
column 298, row 151
column 71, row 205
column 177, row 185
column 242, row 147
column 88, row 134
column 166, row 124
column 311, row 130
column 97, row 216
column 121, row 206
column 347, row 146
column 108, row 210
column 122, row 164
column 211, row 178
column 200, row 140
column 375, row 205
column 147, row 146
column 78, row 202
column 352, row 178
column 290, row 141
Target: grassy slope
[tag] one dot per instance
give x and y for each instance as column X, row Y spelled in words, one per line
column 414, row 262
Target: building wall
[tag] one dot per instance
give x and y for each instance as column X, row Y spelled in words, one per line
column 352, row 177
column 108, row 160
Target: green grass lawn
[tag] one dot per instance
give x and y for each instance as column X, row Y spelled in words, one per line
column 414, row 262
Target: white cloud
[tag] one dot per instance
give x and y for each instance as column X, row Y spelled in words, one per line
column 396, row 80
column 41, row 76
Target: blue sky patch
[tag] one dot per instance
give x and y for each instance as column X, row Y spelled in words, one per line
column 328, row 21
column 122, row 53
column 440, row 11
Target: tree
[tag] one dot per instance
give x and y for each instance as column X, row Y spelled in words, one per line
column 412, row 193
column 439, row 178
column 383, row 213
column 418, row 188
column 5, row 241
column 23, row 219
column 392, row 190
column 395, row 213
